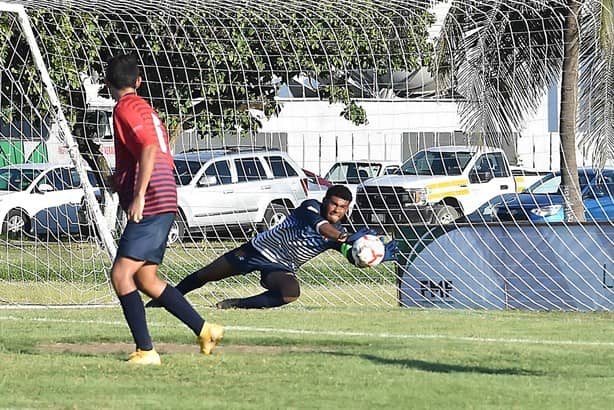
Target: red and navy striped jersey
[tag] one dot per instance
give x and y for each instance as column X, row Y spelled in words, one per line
column 136, row 126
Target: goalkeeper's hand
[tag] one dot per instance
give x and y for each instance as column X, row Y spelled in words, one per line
column 390, row 251
column 359, row 234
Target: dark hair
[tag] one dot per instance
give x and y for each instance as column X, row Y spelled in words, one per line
column 340, row 191
column 122, row 71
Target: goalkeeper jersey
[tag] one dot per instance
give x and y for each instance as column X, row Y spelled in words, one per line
column 297, row 239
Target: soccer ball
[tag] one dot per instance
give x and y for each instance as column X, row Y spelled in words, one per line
column 368, row 251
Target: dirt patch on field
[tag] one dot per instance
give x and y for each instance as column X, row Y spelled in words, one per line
column 111, row 348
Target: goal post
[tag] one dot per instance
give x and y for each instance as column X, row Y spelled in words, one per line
column 63, row 128
column 436, row 115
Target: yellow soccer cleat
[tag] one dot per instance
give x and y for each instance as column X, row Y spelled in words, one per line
column 209, row 336
column 144, row 357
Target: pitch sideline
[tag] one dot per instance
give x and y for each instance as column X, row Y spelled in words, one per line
column 249, row 329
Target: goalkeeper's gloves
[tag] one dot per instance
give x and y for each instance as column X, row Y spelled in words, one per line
column 390, row 251
column 359, row 234
column 346, row 250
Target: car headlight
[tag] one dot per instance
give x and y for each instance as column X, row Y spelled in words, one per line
column 419, row 196
column 546, row 211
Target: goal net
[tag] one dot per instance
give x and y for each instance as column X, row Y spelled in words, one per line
column 434, row 113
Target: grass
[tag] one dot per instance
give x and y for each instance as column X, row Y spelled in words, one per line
column 312, row 357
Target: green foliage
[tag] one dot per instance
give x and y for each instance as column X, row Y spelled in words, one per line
column 205, row 66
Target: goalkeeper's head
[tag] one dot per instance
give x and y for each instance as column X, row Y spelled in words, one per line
column 336, row 203
column 123, row 73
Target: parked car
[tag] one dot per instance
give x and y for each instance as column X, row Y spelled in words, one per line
column 436, row 185
column 356, row 172
column 235, row 188
column 543, row 201
column 316, row 185
column 27, row 189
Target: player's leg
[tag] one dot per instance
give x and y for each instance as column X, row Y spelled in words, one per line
column 219, row 269
column 123, row 280
column 176, row 304
column 282, row 288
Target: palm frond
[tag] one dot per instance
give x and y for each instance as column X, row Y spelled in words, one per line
column 596, row 84
column 501, row 57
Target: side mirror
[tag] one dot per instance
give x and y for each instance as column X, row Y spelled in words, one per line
column 42, row 188
column 207, row 180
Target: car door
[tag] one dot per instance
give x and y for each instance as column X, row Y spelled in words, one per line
column 489, row 177
column 599, row 198
column 57, row 187
column 212, row 198
column 252, row 188
column 287, row 182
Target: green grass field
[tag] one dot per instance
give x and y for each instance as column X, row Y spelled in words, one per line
column 312, row 358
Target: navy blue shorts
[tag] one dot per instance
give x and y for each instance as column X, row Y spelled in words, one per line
column 246, row 259
column 146, row 240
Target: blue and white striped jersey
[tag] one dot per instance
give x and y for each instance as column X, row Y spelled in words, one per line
column 296, row 240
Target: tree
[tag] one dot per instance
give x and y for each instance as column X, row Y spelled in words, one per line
column 502, row 57
column 205, row 66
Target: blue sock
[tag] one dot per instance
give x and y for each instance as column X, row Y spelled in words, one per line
column 189, row 283
column 134, row 312
column 173, row 301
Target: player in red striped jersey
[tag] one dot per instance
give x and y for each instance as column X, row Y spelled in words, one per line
column 147, row 192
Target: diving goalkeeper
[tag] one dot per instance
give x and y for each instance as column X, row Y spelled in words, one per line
column 309, row 230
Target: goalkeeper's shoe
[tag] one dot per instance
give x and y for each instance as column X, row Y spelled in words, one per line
column 209, row 336
column 228, row 304
column 144, row 357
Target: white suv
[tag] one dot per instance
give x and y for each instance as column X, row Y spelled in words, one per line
column 238, row 187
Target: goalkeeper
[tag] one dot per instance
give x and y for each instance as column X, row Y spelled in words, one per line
column 309, row 230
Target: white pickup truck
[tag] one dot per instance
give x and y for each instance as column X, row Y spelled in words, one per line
column 436, row 185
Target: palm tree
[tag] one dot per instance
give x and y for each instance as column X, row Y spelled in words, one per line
column 502, row 56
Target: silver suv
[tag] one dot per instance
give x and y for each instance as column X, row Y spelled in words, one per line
column 235, row 189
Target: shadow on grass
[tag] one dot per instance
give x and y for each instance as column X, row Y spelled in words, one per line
column 440, row 367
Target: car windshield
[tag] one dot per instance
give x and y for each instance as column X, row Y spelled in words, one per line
column 352, row 172
column 436, row 163
column 14, row 179
column 550, row 184
column 185, row 170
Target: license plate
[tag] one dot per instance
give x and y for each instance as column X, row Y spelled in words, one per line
column 377, row 218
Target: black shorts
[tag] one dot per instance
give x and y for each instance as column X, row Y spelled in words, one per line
column 246, row 259
column 146, row 240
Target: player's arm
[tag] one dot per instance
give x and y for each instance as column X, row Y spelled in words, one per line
column 146, row 164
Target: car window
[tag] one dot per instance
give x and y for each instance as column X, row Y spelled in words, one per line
column 603, row 186
column 391, row 170
column 436, row 163
column 185, row 170
column 220, row 170
column 249, row 169
column 492, row 163
column 61, row 179
column 280, row 167
column 13, row 179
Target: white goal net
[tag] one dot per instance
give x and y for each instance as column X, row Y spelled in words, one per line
column 450, row 121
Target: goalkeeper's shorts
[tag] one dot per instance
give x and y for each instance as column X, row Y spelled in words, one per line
column 146, row 240
column 246, row 259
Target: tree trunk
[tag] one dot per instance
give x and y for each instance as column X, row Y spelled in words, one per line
column 570, row 186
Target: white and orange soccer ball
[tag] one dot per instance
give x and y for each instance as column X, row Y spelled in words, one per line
column 368, row 251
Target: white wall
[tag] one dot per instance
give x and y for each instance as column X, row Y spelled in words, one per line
column 318, row 136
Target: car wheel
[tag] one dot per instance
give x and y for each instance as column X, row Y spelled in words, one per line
column 16, row 223
column 178, row 229
column 274, row 215
column 445, row 215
